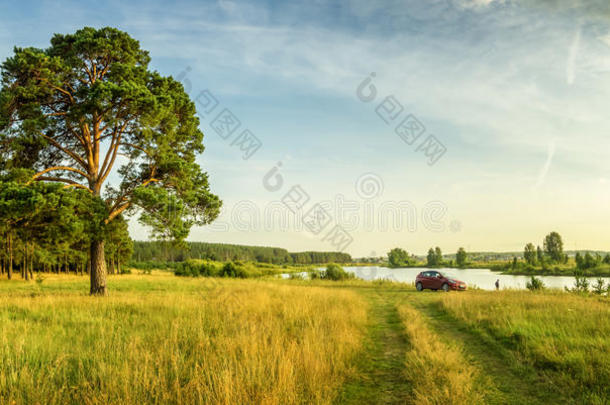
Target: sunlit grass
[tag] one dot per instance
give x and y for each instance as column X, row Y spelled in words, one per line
column 566, row 337
column 163, row 339
column 438, row 371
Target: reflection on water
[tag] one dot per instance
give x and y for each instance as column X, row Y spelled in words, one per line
column 482, row 278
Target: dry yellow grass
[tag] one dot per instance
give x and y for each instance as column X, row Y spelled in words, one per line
column 438, row 371
column 165, row 340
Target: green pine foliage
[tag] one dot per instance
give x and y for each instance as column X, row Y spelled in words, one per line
column 45, row 227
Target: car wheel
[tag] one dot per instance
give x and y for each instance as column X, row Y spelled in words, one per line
column 419, row 287
column 445, row 287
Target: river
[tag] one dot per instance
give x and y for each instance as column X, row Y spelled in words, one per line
column 481, row 278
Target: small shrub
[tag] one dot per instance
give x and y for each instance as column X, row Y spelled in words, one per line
column 181, row 270
column 581, row 283
column 195, row 268
column 295, row 276
column 599, row 287
column 230, row 269
column 185, row 270
column 316, row 274
column 207, row 270
column 535, row 284
column 336, row 273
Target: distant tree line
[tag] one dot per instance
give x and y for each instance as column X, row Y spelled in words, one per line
column 435, row 257
column 399, row 257
column 588, row 261
column 551, row 254
column 145, row 251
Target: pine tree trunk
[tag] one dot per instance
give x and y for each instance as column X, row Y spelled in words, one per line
column 98, row 268
column 24, row 265
column 10, row 256
column 32, row 263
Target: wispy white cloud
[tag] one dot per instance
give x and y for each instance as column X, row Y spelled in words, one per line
column 571, row 65
column 476, row 3
column 547, row 165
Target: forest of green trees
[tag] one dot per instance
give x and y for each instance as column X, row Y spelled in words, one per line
column 398, row 257
column 46, row 228
column 552, row 253
column 159, row 251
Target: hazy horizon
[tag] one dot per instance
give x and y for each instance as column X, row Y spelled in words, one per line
column 516, row 93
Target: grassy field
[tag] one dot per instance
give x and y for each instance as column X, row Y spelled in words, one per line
column 164, row 339
column 566, row 337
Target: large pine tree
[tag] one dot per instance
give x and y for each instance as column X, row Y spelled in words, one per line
column 69, row 112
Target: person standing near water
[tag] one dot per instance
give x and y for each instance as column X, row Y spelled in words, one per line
column 497, row 284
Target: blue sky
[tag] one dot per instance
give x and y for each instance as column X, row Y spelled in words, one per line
column 517, row 91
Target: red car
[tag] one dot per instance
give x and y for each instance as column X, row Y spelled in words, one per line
column 435, row 280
